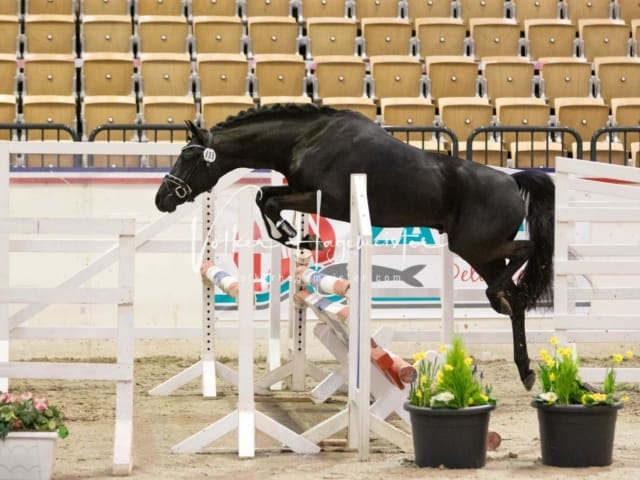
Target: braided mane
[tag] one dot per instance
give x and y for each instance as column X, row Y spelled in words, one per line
column 269, row 110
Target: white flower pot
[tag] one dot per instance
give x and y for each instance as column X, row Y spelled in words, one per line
column 28, row 455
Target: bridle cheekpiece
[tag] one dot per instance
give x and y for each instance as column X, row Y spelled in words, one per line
column 180, row 187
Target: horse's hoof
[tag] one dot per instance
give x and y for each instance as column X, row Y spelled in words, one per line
column 286, row 229
column 505, row 306
column 529, row 380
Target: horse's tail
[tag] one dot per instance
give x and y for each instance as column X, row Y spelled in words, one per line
column 538, row 190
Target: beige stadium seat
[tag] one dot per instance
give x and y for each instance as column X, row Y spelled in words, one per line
column 331, row 36
column 50, row 7
column 104, row 7
column 440, row 36
column 322, row 8
column 464, row 114
column 537, row 9
column 396, row 76
column 617, row 77
column 470, row 9
column 10, row 28
column 7, row 114
column 279, row 75
column 362, row 105
column 107, row 74
column 452, row 76
column 10, row 7
column 271, row 8
column 163, row 34
column 603, row 37
column 264, row 101
column 106, row 33
column 213, row 8
column 110, row 110
column 411, row 112
column 628, row 10
column 339, row 76
column 165, row 74
column 372, row 8
column 507, row 77
column 49, row 109
column 625, row 112
column 428, row 9
column 170, row 111
column 576, row 10
column 269, row 35
column 494, row 36
column 222, row 74
column 8, row 74
column 527, row 150
column 218, row 34
column 159, row 7
column 50, row 34
column 565, row 77
column 386, row 36
column 218, row 108
column 549, row 38
column 585, row 115
column 49, row 74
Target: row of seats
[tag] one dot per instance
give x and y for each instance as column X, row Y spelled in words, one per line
column 319, row 36
column 461, row 115
column 301, row 9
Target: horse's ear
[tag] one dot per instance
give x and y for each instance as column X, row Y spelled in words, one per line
column 197, row 132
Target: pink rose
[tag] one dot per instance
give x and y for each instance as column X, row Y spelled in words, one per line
column 26, row 396
column 40, row 403
column 11, row 398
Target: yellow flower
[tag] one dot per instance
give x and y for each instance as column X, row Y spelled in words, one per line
column 629, row 354
column 599, row 397
column 583, row 398
column 419, row 393
column 550, row 362
column 552, row 377
column 543, row 353
column 418, row 356
column 468, row 361
column 423, row 379
column 565, row 351
column 439, row 377
column 484, row 397
column 625, row 398
column 443, row 348
column 470, row 402
column 553, row 341
column 448, row 367
column 617, row 358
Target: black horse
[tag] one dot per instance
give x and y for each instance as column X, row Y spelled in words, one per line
column 318, row 148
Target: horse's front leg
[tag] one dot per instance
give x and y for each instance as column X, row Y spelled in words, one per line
column 273, row 200
column 520, row 352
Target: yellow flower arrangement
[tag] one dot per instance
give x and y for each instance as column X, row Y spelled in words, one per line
column 561, row 382
column 452, row 384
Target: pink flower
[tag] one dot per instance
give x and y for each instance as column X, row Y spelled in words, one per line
column 4, row 397
column 12, row 398
column 26, row 396
column 40, row 403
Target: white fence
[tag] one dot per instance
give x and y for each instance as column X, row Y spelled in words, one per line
column 597, row 256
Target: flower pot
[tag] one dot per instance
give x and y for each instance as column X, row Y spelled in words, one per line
column 454, row 438
column 575, row 435
column 27, row 455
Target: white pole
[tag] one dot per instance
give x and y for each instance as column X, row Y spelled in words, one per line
column 4, row 259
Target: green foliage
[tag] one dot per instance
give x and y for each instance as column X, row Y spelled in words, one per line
column 26, row 412
column 452, row 384
column 561, row 383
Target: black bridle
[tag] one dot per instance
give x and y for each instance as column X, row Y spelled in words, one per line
column 180, row 187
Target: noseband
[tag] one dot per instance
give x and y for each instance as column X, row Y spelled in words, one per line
column 179, row 187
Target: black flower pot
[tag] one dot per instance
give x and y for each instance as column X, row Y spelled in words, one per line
column 448, row 437
column 575, row 435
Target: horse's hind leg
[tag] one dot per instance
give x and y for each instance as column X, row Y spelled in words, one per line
column 501, row 291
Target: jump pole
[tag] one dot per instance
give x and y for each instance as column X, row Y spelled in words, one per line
column 245, row 419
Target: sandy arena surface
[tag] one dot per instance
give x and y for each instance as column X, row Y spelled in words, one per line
column 161, row 422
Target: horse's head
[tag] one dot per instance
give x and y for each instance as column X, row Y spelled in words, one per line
column 194, row 172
